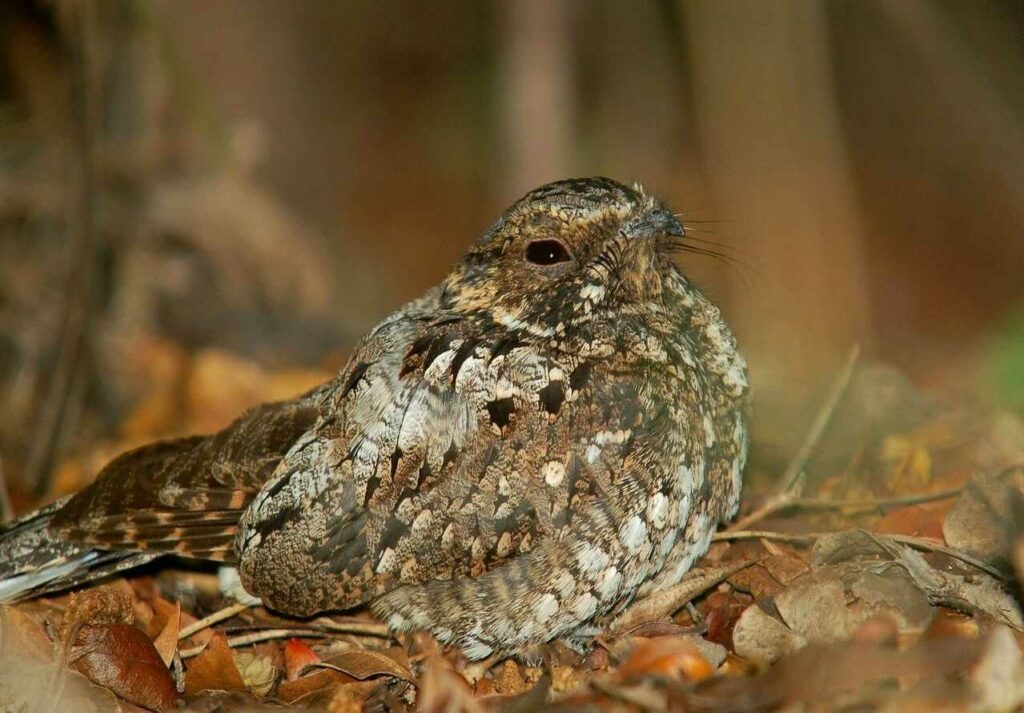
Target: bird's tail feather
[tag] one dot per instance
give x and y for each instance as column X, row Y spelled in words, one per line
column 33, row 561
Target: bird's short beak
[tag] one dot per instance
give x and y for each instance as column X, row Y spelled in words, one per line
column 657, row 222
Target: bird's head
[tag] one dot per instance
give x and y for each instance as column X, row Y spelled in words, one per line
column 566, row 254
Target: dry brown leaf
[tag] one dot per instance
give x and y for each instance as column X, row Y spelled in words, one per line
column 722, row 611
column 442, row 690
column 485, row 687
column 668, row 656
column 292, row 691
column 816, row 609
column 342, row 669
column 123, row 659
column 997, row 679
column 762, row 639
column 756, row 581
column 94, row 607
column 30, row 680
column 364, row 663
column 785, row 566
column 220, row 385
column 351, row 698
column 297, row 655
column 166, row 642
column 598, row 660
column 914, row 520
column 258, row 672
column 981, row 521
column 213, row 670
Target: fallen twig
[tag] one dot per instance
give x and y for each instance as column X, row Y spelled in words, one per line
column 667, row 601
column 215, row 617
column 918, row 543
column 258, row 636
column 927, row 545
column 821, row 421
column 793, row 538
column 854, row 507
column 792, row 481
column 359, row 628
column 873, row 505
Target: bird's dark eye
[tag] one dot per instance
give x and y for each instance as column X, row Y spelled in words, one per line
column 546, row 252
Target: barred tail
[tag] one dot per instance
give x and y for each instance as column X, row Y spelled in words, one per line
column 34, row 561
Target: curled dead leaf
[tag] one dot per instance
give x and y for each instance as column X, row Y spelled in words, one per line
column 213, row 670
column 816, row 609
column 122, row 658
column 258, row 672
column 311, row 675
column 762, row 639
column 166, row 642
column 297, row 655
column 982, row 520
column 366, row 663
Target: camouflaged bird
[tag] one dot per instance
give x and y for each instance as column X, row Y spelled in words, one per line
column 556, row 428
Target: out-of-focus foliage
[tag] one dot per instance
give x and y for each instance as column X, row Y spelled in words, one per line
column 1005, row 364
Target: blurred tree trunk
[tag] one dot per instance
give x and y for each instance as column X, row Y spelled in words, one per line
column 537, row 92
column 776, row 163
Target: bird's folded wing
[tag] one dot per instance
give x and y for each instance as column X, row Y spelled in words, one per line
column 186, row 495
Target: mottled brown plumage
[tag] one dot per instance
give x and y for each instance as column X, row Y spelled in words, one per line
column 556, row 428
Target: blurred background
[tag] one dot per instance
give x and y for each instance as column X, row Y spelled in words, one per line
column 205, row 203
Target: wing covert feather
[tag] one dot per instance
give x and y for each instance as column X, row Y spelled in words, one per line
column 186, row 495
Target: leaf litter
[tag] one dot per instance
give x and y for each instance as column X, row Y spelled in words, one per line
column 883, row 575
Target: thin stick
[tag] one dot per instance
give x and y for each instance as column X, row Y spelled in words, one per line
column 258, row 636
column 217, row 616
column 77, row 24
column 821, row 421
column 359, row 628
column 364, row 629
column 668, row 601
column 796, row 539
column 791, row 477
column 863, row 506
column 872, row 505
column 6, row 509
column 926, row 545
column 918, row 543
